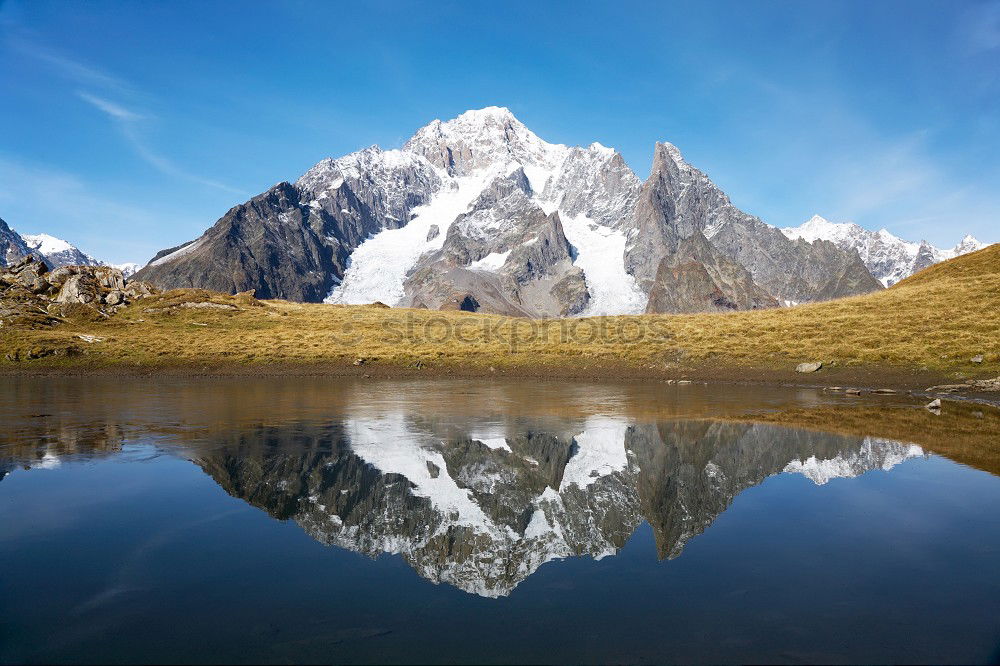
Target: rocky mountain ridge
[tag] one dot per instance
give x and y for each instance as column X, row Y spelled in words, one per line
column 55, row 252
column 888, row 257
column 479, row 213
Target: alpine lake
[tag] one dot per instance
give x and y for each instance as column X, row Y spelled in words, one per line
column 301, row 520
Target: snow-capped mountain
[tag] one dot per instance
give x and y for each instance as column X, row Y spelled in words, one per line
column 128, row 269
column 888, row 257
column 479, row 213
column 55, row 252
column 58, row 252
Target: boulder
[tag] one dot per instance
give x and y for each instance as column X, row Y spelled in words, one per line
column 79, row 288
column 108, row 278
column 978, row 358
column 934, row 405
column 114, row 297
column 809, row 367
column 136, row 289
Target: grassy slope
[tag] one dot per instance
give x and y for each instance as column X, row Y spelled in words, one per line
column 936, row 320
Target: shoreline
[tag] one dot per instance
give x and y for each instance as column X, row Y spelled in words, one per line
column 901, row 381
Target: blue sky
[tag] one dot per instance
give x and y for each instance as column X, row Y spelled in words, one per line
column 133, row 126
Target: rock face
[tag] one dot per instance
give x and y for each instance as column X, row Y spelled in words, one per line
column 889, row 258
column 12, row 246
column 31, row 295
column 505, row 255
column 679, row 202
column 697, row 278
column 479, row 213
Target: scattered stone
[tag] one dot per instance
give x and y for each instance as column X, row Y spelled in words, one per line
column 683, row 381
column 853, row 391
column 884, row 391
column 809, row 367
column 360, row 361
column 934, row 404
column 208, row 305
column 978, row 358
column 90, row 338
column 834, row 388
column 197, row 323
column 114, row 297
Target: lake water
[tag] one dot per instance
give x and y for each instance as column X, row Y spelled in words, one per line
column 322, row 520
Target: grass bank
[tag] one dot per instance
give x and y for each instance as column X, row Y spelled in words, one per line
column 930, row 325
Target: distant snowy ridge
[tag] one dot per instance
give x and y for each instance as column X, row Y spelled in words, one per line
column 888, row 257
column 57, row 252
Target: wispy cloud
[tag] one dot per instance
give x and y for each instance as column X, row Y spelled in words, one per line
column 857, row 170
column 127, row 119
column 128, row 123
column 116, row 111
column 79, row 73
column 37, row 199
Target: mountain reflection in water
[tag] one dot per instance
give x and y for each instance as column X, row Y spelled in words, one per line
column 482, row 512
column 479, row 502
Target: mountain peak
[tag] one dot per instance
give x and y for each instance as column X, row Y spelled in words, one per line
column 47, row 244
column 488, row 112
column 670, row 149
column 479, row 139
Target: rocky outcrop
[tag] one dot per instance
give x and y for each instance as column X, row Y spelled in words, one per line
column 31, row 295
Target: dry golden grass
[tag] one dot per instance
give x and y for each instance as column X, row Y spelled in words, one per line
column 936, row 320
column 965, row 432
